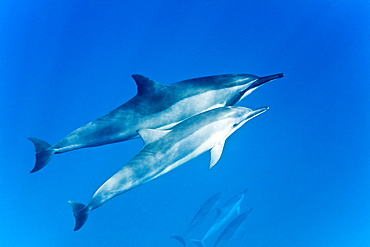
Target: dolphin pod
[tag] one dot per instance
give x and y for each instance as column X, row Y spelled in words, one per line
column 165, row 150
column 223, row 220
column 231, row 207
column 200, row 216
column 154, row 106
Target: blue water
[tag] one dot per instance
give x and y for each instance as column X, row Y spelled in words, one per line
column 305, row 161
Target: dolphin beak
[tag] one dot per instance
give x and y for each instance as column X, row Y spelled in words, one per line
column 251, row 114
column 257, row 112
column 263, row 80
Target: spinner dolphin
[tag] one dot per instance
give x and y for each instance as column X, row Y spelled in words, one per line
column 154, row 106
column 201, row 215
column 231, row 207
column 164, row 150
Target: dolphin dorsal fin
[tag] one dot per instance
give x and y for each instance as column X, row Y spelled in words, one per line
column 151, row 135
column 216, row 152
column 146, row 85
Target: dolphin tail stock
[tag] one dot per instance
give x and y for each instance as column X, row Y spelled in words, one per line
column 44, row 152
column 198, row 242
column 80, row 212
column 180, row 239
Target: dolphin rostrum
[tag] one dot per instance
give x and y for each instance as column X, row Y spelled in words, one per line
column 154, row 106
column 224, row 214
column 205, row 209
column 164, row 150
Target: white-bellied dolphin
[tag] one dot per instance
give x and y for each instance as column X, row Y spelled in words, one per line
column 164, row 150
column 154, row 106
column 231, row 228
column 205, row 209
column 224, row 215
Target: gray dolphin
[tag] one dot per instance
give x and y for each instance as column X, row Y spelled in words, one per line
column 224, row 215
column 154, row 106
column 205, row 209
column 164, row 150
column 231, row 229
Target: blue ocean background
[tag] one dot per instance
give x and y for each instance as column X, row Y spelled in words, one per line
column 305, row 161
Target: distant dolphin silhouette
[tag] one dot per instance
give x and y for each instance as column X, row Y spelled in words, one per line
column 201, row 215
column 231, row 228
column 164, row 150
column 224, row 215
column 154, row 106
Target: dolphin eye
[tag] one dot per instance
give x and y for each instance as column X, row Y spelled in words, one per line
column 236, row 124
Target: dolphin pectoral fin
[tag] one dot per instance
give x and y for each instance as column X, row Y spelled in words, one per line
column 180, row 239
column 43, row 153
column 80, row 212
column 198, row 242
column 151, row 135
column 216, row 152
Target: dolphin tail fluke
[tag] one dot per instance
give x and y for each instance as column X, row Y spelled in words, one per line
column 44, row 152
column 80, row 212
column 180, row 239
column 198, row 242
